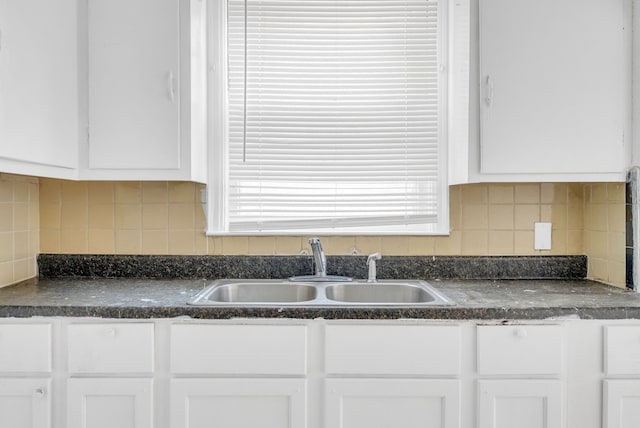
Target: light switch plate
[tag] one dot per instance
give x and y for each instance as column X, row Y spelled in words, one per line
column 542, row 236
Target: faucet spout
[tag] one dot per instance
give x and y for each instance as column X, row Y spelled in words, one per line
column 320, row 266
column 319, row 258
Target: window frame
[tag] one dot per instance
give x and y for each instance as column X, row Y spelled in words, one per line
column 454, row 116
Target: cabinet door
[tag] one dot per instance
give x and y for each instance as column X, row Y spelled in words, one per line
column 520, row 403
column 553, row 90
column 238, row 403
column 38, row 85
column 108, row 403
column 25, row 403
column 402, row 403
column 134, row 76
column 622, row 403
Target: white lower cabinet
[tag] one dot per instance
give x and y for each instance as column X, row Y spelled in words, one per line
column 25, row 374
column 111, row 368
column 223, row 403
column 108, row 403
column 514, row 359
column 291, row 373
column 25, row 403
column 383, row 403
column 392, row 375
column 520, row 403
column 240, row 375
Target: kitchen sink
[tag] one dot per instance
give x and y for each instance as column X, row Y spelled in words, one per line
column 254, row 291
column 270, row 292
column 383, row 292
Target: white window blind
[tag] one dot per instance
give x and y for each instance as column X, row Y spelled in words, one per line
column 335, row 116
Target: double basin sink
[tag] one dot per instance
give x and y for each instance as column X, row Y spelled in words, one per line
column 270, row 292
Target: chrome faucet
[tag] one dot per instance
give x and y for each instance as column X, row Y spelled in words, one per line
column 319, row 259
column 320, row 266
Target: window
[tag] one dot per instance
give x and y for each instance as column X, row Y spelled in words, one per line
column 330, row 117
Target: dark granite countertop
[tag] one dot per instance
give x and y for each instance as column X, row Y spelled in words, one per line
column 508, row 299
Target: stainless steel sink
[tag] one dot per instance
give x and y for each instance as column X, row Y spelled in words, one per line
column 384, row 292
column 254, row 291
column 269, row 292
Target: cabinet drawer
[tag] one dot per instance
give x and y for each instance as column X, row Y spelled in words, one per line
column 111, row 348
column 25, row 348
column 238, row 349
column 393, row 350
column 520, row 349
column 622, row 350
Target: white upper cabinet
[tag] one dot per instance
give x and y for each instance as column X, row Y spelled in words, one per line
column 555, row 87
column 144, row 59
column 39, row 125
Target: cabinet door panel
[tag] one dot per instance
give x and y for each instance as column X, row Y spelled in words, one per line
column 622, row 403
column 553, row 91
column 520, row 403
column 39, row 121
column 381, row 403
column 25, row 403
column 108, row 403
column 134, row 77
column 241, row 403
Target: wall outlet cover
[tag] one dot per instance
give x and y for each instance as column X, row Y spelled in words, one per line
column 542, row 236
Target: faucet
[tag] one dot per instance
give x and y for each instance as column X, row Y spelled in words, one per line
column 320, row 266
column 371, row 262
column 319, row 259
